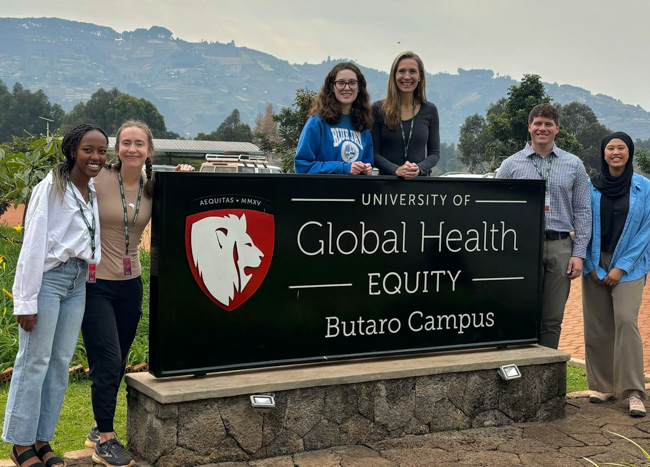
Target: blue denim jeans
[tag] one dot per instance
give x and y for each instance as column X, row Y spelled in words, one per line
column 40, row 374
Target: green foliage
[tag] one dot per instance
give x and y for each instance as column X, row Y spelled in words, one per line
column 231, row 129
column 485, row 142
column 642, row 158
column 21, row 171
column 109, row 109
column 581, row 122
column 291, row 121
column 474, row 137
column 9, row 251
column 20, row 110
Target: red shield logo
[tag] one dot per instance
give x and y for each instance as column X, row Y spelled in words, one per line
column 229, row 252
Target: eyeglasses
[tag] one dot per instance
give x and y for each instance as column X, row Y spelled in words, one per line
column 352, row 84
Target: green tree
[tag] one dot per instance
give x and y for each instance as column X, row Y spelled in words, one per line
column 93, row 110
column 109, row 109
column 474, row 136
column 20, row 111
column 231, row 129
column 642, row 159
column 580, row 121
column 126, row 107
column 505, row 130
column 291, row 121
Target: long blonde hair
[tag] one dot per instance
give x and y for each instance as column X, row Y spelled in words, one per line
column 148, row 163
column 391, row 105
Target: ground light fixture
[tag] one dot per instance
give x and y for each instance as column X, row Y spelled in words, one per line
column 263, row 401
column 508, row 372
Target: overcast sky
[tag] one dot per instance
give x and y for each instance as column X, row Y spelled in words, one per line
column 600, row 45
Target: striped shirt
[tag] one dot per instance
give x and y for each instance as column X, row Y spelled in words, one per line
column 567, row 187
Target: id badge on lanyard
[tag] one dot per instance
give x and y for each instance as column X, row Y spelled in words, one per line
column 126, row 259
column 91, row 276
column 126, row 265
column 547, row 195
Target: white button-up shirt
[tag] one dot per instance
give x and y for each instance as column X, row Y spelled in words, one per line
column 54, row 233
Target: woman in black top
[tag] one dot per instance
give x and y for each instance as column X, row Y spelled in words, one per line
column 405, row 134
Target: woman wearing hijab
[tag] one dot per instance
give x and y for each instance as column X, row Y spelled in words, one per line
column 618, row 259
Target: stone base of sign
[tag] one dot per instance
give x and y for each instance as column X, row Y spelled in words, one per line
column 193, row 421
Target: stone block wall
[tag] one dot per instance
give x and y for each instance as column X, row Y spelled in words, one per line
column 228, row 429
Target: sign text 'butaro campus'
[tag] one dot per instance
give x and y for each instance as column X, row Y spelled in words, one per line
column 258, row 270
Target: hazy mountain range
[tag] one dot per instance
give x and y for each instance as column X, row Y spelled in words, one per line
column 196, row 85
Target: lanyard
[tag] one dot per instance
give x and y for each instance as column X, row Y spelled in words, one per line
column 548, row 168
column 126, row 217
column 407, row 141
column 91, row 228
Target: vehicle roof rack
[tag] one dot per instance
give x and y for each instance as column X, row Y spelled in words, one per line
column 234, row 157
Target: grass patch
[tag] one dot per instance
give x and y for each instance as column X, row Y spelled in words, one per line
column 76, row 418
column 576, row 379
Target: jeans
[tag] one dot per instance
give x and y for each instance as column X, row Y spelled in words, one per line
column 40, row 374
column 113, row 310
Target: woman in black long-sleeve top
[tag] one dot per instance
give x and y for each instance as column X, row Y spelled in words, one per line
column 405, row 134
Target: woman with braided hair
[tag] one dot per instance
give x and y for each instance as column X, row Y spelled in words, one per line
column 114, row 302
column 60, row 251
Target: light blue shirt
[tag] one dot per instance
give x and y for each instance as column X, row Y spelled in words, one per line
column 632, row 252
column 567, row 186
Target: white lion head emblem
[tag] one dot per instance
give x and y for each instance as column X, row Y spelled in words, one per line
column 221, row 249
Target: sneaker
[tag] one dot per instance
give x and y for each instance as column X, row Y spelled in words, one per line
column 637, row 408
column 93, row 438
column 600, row 397
column 111, row 453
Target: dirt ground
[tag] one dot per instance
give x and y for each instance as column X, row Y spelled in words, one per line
column 571, row 341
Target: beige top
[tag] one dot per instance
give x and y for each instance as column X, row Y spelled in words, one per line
column 111, row 218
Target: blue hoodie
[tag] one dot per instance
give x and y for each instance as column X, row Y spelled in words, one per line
column 331, row 149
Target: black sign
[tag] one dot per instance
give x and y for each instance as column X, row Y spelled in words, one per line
column 258, row 270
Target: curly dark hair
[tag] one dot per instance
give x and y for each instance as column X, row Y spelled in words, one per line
column 329, row 109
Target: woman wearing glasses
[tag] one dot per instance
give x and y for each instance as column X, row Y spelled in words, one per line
column 405, row 132
column 336, row 138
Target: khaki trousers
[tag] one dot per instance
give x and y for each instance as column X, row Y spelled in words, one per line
column 555, row 289
column 613, row 347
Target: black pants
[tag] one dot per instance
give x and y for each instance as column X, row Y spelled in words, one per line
column 113, row 310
